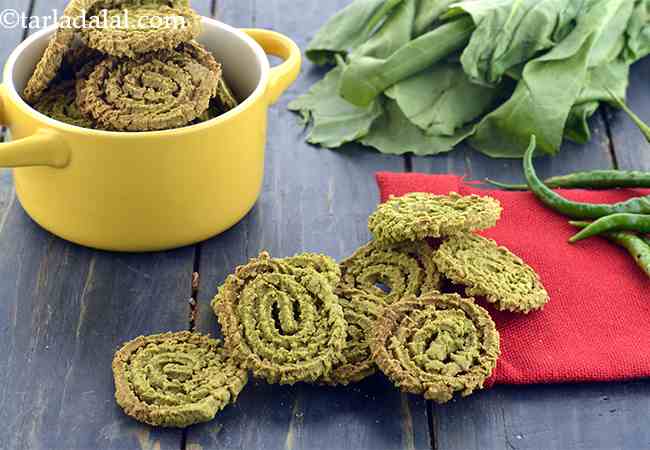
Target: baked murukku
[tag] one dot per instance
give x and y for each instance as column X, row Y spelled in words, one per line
column 128, row 28
column 79, row 62
column 322, row 264
column 48, row 67
column 392, row 271
column 436, row 345
column 59, row 103
column 282, row 322
column 361, row 311
column 491, row 271
column 175, row 379
column 160, row 90
column 420, row 215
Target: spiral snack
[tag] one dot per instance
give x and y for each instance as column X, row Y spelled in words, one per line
column 161, row 90
column 79, row 62
column 493, row 272
column 59, row 103
column 129, row 28
column 361, row 311
column 392, row 272
column 436, row 345
column 282, row 322
column 322, row 264
column 420, row 215
column 50, row 63
column 175, row 379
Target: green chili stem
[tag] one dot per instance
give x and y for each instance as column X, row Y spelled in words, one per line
column 596, row 179
column 577, row 210
column 645, row 129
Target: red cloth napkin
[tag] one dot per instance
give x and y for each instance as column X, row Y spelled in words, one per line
column 597, row 324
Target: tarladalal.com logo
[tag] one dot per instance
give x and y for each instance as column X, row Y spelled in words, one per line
column 11, row 18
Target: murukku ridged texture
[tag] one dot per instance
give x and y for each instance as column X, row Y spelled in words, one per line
column 436, row 345
column 48, row 67
column 128, row 28
column 175, row 379
column 59, row 103
column 79, row 62
column 282, row 322
column 361, row 310
column 491, row 271
column 322, row 264
column 392, row 271
column 160, row 90
column 420, row 215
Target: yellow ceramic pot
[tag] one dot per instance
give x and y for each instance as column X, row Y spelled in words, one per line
column 155, row 190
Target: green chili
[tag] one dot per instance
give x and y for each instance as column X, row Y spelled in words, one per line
column 577, row 210
column 615, row 222
column 595, row 179
column 637, row 246
column 645, row 129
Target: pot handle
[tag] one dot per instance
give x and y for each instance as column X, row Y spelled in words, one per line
column 43, row 148
column 286, row 73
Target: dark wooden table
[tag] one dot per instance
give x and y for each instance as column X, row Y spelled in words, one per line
column 64, row 309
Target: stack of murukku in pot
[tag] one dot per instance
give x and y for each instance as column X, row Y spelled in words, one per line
column 404, row 304
column 133, row 65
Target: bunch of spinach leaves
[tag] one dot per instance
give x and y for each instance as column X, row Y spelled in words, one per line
column 420, row 76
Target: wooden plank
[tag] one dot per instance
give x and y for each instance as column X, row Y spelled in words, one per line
column 204, row 7
column 315, row 200
column 631, row 148
column 556, row 417
column 68, row 309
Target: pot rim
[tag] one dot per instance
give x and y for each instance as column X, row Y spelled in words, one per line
column 255, row 96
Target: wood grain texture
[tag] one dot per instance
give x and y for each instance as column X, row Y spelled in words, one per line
column 68, row 309
column 313, row 200
column 630, row 146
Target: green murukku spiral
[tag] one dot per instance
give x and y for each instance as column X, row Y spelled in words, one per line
column 436, row 345
column 282, row 322
column 392, row 272
column 175, row 379
column 420, row 215
column 361, row 311
column 493, row 272
column 160, row 90
column 48, row 67
column 322, row 264
column 128, row 28
column 59, row 103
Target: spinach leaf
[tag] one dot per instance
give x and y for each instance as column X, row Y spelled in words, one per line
column 396, row 31
column 365, row 78
column 348, row 29
column 509, row 33
column 607, row 76
column 394, row 134
column 638, row 33
column 442, row 99
column 549, row 88
column 429, row 11
column 335, row 121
